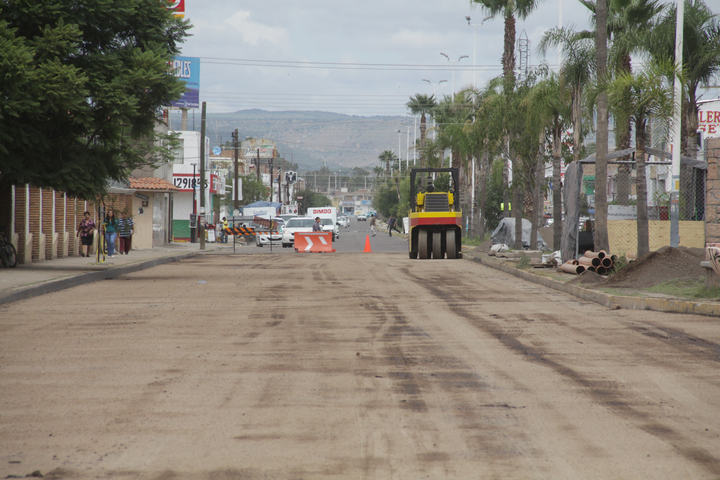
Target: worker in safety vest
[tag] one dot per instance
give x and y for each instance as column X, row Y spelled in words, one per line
column 502, row 206
column 224, row 226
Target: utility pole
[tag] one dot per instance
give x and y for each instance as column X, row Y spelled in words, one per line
column 201, row 223
column 236, row 203
column 258, row 165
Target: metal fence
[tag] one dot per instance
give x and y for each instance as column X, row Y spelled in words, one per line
column 622, row 203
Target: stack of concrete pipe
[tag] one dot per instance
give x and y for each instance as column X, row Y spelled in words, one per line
column 572, row 266
column 598, row 262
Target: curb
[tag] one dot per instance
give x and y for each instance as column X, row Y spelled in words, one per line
column 605, row 299
column 75, row 281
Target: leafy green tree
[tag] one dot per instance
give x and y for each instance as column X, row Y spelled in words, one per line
column 311, row 199
column 81, row 86
column 387, row 158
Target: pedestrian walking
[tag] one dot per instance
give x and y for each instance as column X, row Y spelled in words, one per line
column 111, row 228
column 392, row 225
column 316, row 226
column 372, row 225
column 86, row 233
column 126, row 229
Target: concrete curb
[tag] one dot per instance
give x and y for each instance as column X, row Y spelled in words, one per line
column 605, row 299
column 77, row 280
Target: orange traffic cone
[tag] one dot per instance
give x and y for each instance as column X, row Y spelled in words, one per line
column 367, row 245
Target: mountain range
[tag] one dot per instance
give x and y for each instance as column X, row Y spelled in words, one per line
column 313, row 139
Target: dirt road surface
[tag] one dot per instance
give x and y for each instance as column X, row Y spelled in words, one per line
column 360, row 366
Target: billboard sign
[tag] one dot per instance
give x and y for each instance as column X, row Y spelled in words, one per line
column 251, row 146
column 709, row 118
column 187, row 69
column 177, row 7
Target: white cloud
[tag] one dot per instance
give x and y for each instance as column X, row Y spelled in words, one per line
column 255, row 33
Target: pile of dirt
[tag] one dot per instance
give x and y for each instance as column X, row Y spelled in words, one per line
column 588, row 277
column 658, row 267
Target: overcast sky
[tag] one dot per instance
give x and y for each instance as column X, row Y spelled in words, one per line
column 358, row 58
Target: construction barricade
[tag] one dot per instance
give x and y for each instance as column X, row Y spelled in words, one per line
column 309, row 242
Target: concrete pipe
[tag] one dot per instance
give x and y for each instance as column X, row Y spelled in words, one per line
column 568, row 268
column 601, row 271
column 589, row 262
column 601, row 254
column 606, row 262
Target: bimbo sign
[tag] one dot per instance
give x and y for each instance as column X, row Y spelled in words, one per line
column 177, row 7
column 709, row 118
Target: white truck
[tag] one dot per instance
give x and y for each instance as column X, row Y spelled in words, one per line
column 264, row 212
column 326, row 213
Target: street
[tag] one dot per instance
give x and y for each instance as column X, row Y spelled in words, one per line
column 351, row 365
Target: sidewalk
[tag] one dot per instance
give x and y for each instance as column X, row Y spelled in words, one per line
column 30, row 280
column 637, row 299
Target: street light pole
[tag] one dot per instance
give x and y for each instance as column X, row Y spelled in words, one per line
column 453, row 70
column 194, row 203
column 399, row 151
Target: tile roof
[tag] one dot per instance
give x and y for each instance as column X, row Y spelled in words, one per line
column 151, row 183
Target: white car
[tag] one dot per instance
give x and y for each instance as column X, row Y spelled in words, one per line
column 343, row 221
column 329, row 226
column 265, row 238
column 296, row 224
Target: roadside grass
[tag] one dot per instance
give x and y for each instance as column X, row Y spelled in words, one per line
column 472, row 241
column 693, row 287
column 524, row 261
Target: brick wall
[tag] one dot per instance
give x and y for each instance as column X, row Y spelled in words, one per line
column 712, row 193
column 20, row 220
column 72, row 222
column 48, row 215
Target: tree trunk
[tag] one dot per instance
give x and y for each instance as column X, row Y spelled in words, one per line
column 641, row 189
column 689, row 142
column 506, row 193
column 518, row 195
column 557, row 188
column 601, row 230
column 484, row 172
column 577, row 121
column 423, row 130
column 537, row 191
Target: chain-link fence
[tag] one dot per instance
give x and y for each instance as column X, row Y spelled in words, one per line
column 622, row 197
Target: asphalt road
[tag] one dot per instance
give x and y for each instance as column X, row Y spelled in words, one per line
column 357, row 365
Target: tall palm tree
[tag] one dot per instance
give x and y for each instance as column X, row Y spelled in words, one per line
column 639, row 97
column 627, row 22
column 422, row 105
column 387, row 157
column 508, row 9
column 549, row 100
column 601, row 240
column 576, row 71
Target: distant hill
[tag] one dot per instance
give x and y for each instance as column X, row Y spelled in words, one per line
column 314, row 138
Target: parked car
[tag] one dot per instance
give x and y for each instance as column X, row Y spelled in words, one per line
column 362, row 217
column 296, row 224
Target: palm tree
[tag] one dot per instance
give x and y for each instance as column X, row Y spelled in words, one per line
column 576, row 71
column 701, row 60
column 386, row 158
column 601, row 240
column 422, row 105
column 627, row 19
column 639, row 97
column 549, row 99
column 508, row 9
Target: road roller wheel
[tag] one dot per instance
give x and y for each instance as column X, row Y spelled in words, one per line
column 437, row 245
column 423, row 247
column 451, row 246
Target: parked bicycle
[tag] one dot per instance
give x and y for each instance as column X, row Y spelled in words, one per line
column 8, row 254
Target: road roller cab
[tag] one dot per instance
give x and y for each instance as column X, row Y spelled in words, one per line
column 435, row 217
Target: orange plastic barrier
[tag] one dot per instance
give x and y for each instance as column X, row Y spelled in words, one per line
column 313, row 242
